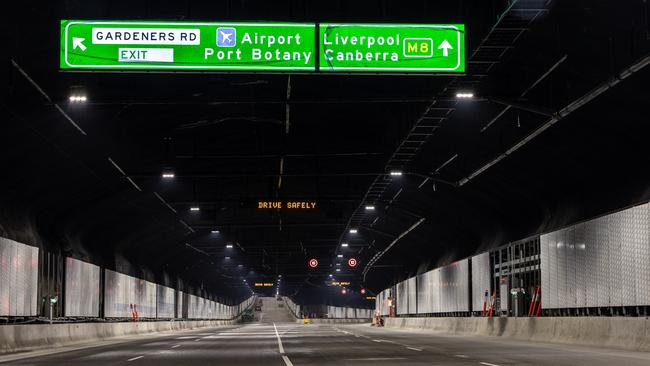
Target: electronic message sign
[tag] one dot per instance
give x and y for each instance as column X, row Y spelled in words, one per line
column 430, row 48
column 157, row 45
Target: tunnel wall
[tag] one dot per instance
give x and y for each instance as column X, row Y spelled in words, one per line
column 597, row 267
column 610, row 332
column 332, row 313
column 124, row 296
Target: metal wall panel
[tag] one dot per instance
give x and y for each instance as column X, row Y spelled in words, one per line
column 581, row 275
column 19, row 279
column 424, row 293
column 81, row 288
column 642, row 244
column 599, row 263
column 412, row 295
column 481, row 275
column 165, row 302
column 402, row 298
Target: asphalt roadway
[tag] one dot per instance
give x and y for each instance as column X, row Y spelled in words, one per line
column 287, row 344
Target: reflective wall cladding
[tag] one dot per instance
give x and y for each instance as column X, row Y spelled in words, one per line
column 441, row 290
column 599, row 263
column 165, row 302
column 18, row 279
column 81, row 288
column 403, row 297
column 337, row 312
column 123, row 292
column 480, row 280
column 412, row 295
column 381, row 302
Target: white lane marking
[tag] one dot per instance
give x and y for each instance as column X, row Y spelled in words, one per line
column 176, row 346
column 377, row 340
column 462, row 356
column 134, row 358
column 488, row 364
column 414, row 349
column 366, row 337
column 198, row 339
column 287, row 361
column 279, row 340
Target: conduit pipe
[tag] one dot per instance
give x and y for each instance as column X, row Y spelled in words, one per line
column 564, row 112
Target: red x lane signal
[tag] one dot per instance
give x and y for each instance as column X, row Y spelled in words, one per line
column 313, row 263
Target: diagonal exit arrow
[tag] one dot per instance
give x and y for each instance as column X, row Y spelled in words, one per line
column 445, row 46
column 78, row 42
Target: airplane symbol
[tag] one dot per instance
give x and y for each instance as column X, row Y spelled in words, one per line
column 226, row 37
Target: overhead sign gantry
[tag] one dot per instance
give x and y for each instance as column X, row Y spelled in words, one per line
column 259, row 46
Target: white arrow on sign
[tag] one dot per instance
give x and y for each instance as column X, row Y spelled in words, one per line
column 78, row 42
column 445, row 48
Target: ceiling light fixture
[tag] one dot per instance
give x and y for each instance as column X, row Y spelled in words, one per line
column 396, row 173
column 338, row 270
column 370, row 208
column 195, row 208
column 464, row 95
column 168, row 175
column 353, row 231
column 229, row 246
column 77, row 98
column 215, row 231
column 339, row 255
column 344, row 245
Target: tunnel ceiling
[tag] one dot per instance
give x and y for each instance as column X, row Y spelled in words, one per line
column 228, row 142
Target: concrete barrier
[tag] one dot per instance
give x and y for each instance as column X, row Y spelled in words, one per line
column 34, row 336
column 610, row 332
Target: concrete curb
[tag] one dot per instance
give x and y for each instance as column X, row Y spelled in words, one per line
column 620, row 333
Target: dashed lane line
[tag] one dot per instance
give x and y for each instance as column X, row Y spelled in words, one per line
column 462, row 356
column 286, row 359
column 414, row 349
column 176, row 346
column 134, row 358
column 488, row 364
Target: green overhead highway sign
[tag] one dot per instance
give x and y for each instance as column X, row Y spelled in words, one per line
column 284, row 47
column 430, row 48
column 153, row 45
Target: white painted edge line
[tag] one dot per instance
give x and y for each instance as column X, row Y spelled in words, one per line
column 462, row 356
column 414, row 349
column 488, row 364
column 134, row 358
column 198, row 339
column 176, row 346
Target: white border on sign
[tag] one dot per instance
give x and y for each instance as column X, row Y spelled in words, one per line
column 352, row 68
column 179, row 67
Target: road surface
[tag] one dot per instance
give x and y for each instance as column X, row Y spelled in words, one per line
column 286, row 344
